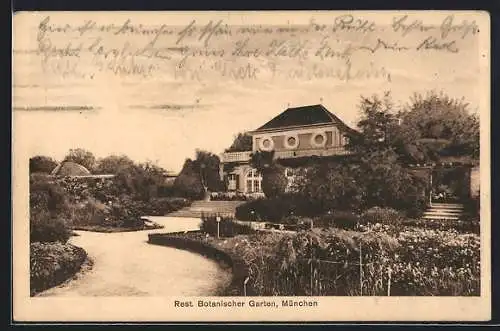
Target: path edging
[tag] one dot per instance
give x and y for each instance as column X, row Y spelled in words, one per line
column 240, row 271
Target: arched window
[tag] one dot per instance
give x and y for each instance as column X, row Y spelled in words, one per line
column 253, row 181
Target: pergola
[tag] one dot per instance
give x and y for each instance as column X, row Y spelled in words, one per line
column 429, row 168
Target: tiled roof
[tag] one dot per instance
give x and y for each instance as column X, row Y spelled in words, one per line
column 303, row 116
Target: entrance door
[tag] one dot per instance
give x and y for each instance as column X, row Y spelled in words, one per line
column 450, row 185
column 232, row 184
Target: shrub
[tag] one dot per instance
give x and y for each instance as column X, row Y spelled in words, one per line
column 298, row 223
column 91, row 212
column 269, row 210
column 162, row 206
column 53, row 263
column 48, row 230
column 42, row 164
column 227, row 226
column 274, row 181
column 472, row 206
column 338, row 219
column 331, row 186
column 128, row 212
column 167, row 191
column 382, row 215
column 188, row 184
column 48, row 211
column 80, row 189
column 140, row 181
column 47, row 196
column 415, row 205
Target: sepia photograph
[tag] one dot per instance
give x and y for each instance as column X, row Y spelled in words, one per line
column 251, row 166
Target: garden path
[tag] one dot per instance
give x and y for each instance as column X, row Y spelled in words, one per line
column 126, row 265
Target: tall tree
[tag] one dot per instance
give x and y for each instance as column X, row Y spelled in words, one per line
column 445, row 124
column 242, row 143
column 274, row 181
column 141, row 180
column 202, row 172
column 207, row 164
column 42, row 164
column 112, row 164
column 425, row 130
column 377, row 125
column 188, row 182
column 82, row 157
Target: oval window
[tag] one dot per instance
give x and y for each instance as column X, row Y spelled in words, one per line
column 291, row 141
column 318, row 139
column 266, row 144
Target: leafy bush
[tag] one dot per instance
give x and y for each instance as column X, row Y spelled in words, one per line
column 48, row 211
column 53, row 263
column 162, row 206
column 277, row 209
column 45, row 195
column 91, row 212
column 48, row 230
column 42, row 164
column 382, row 215
column 414, row 205
column 388, row 183
column 472, row 207
column 298, row 223
column 346, row 220
column 188, row 184
column 329, row 186
column 274, row 181
column 167, row 191
column 80, row 189
column 227, row 226
column 269, row 210
column 128, row 212
column 140, row 181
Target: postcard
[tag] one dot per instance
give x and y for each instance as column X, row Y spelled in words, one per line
column 283, row 166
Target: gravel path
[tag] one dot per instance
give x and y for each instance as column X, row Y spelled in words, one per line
column 124, row 264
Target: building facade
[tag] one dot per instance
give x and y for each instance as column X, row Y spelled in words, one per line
column 300, row 132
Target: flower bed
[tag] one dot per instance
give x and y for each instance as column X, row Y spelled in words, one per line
column 233, row 196
column 470, row 225
column 327, row 262
column 53, row 263
column 435, row 262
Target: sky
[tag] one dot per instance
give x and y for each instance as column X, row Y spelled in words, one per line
column 164, row 117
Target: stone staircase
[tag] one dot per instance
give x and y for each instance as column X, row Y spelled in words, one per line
column 198, row 208
column 444, row 211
